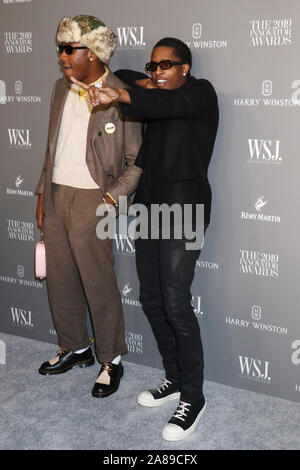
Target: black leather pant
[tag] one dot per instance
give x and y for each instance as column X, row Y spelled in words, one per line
column 166, row 271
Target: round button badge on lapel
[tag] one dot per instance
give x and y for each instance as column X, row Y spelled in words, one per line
column 110, row 128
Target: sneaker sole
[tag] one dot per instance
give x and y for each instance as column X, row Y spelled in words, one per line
column 145, row 400
column 81, row 364
column 183, row 434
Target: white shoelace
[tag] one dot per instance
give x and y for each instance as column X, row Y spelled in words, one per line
column 164, row 385
column 180, row 413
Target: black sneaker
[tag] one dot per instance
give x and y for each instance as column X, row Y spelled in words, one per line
column 158, row 396
column 184, row 421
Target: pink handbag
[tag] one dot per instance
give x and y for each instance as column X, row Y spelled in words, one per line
column 40, row 259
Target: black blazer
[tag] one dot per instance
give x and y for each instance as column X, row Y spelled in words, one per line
column 178, row 141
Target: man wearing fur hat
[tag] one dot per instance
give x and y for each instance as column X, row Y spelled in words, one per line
column 89, row 160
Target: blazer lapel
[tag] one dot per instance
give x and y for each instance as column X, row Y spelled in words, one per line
column 56, row 115
column 96, row 114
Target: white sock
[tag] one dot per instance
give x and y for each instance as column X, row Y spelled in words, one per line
column 116, row 360
column 79, row 351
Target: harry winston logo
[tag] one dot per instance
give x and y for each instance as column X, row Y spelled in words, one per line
column 18, row 97
column 267, row 87
column 197, row 30
column 20, row 271
column 256, row 324
column 18, row 87
column 256, row 312
column 205, row 43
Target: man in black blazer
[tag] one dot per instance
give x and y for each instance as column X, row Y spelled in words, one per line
column 181, row 116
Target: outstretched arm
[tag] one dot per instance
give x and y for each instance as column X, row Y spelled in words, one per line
column 198, row 101
column 106, row 94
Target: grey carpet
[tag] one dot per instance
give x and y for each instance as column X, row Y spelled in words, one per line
column 59, row 412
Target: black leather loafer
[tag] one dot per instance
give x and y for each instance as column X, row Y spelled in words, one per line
column 67, row 360
column 115, row 373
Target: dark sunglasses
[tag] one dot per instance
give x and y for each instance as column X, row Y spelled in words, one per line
column 68, row 48
column 163, row 64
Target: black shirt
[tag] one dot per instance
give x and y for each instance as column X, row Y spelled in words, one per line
column 181, row 127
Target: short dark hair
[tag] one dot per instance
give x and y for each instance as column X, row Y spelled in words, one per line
column 182, row 51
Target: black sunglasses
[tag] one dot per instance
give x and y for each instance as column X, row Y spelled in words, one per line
column 163, row 64
column 68, row 48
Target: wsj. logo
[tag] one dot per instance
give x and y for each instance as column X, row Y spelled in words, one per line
column 197, row 30
column 131, row 36
column 296, row 354
column 21, row 317
column 267, row 87
column 254, row 369
column 123, row 244
column 19, row 138
column 264, row 151
column 256, row 312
